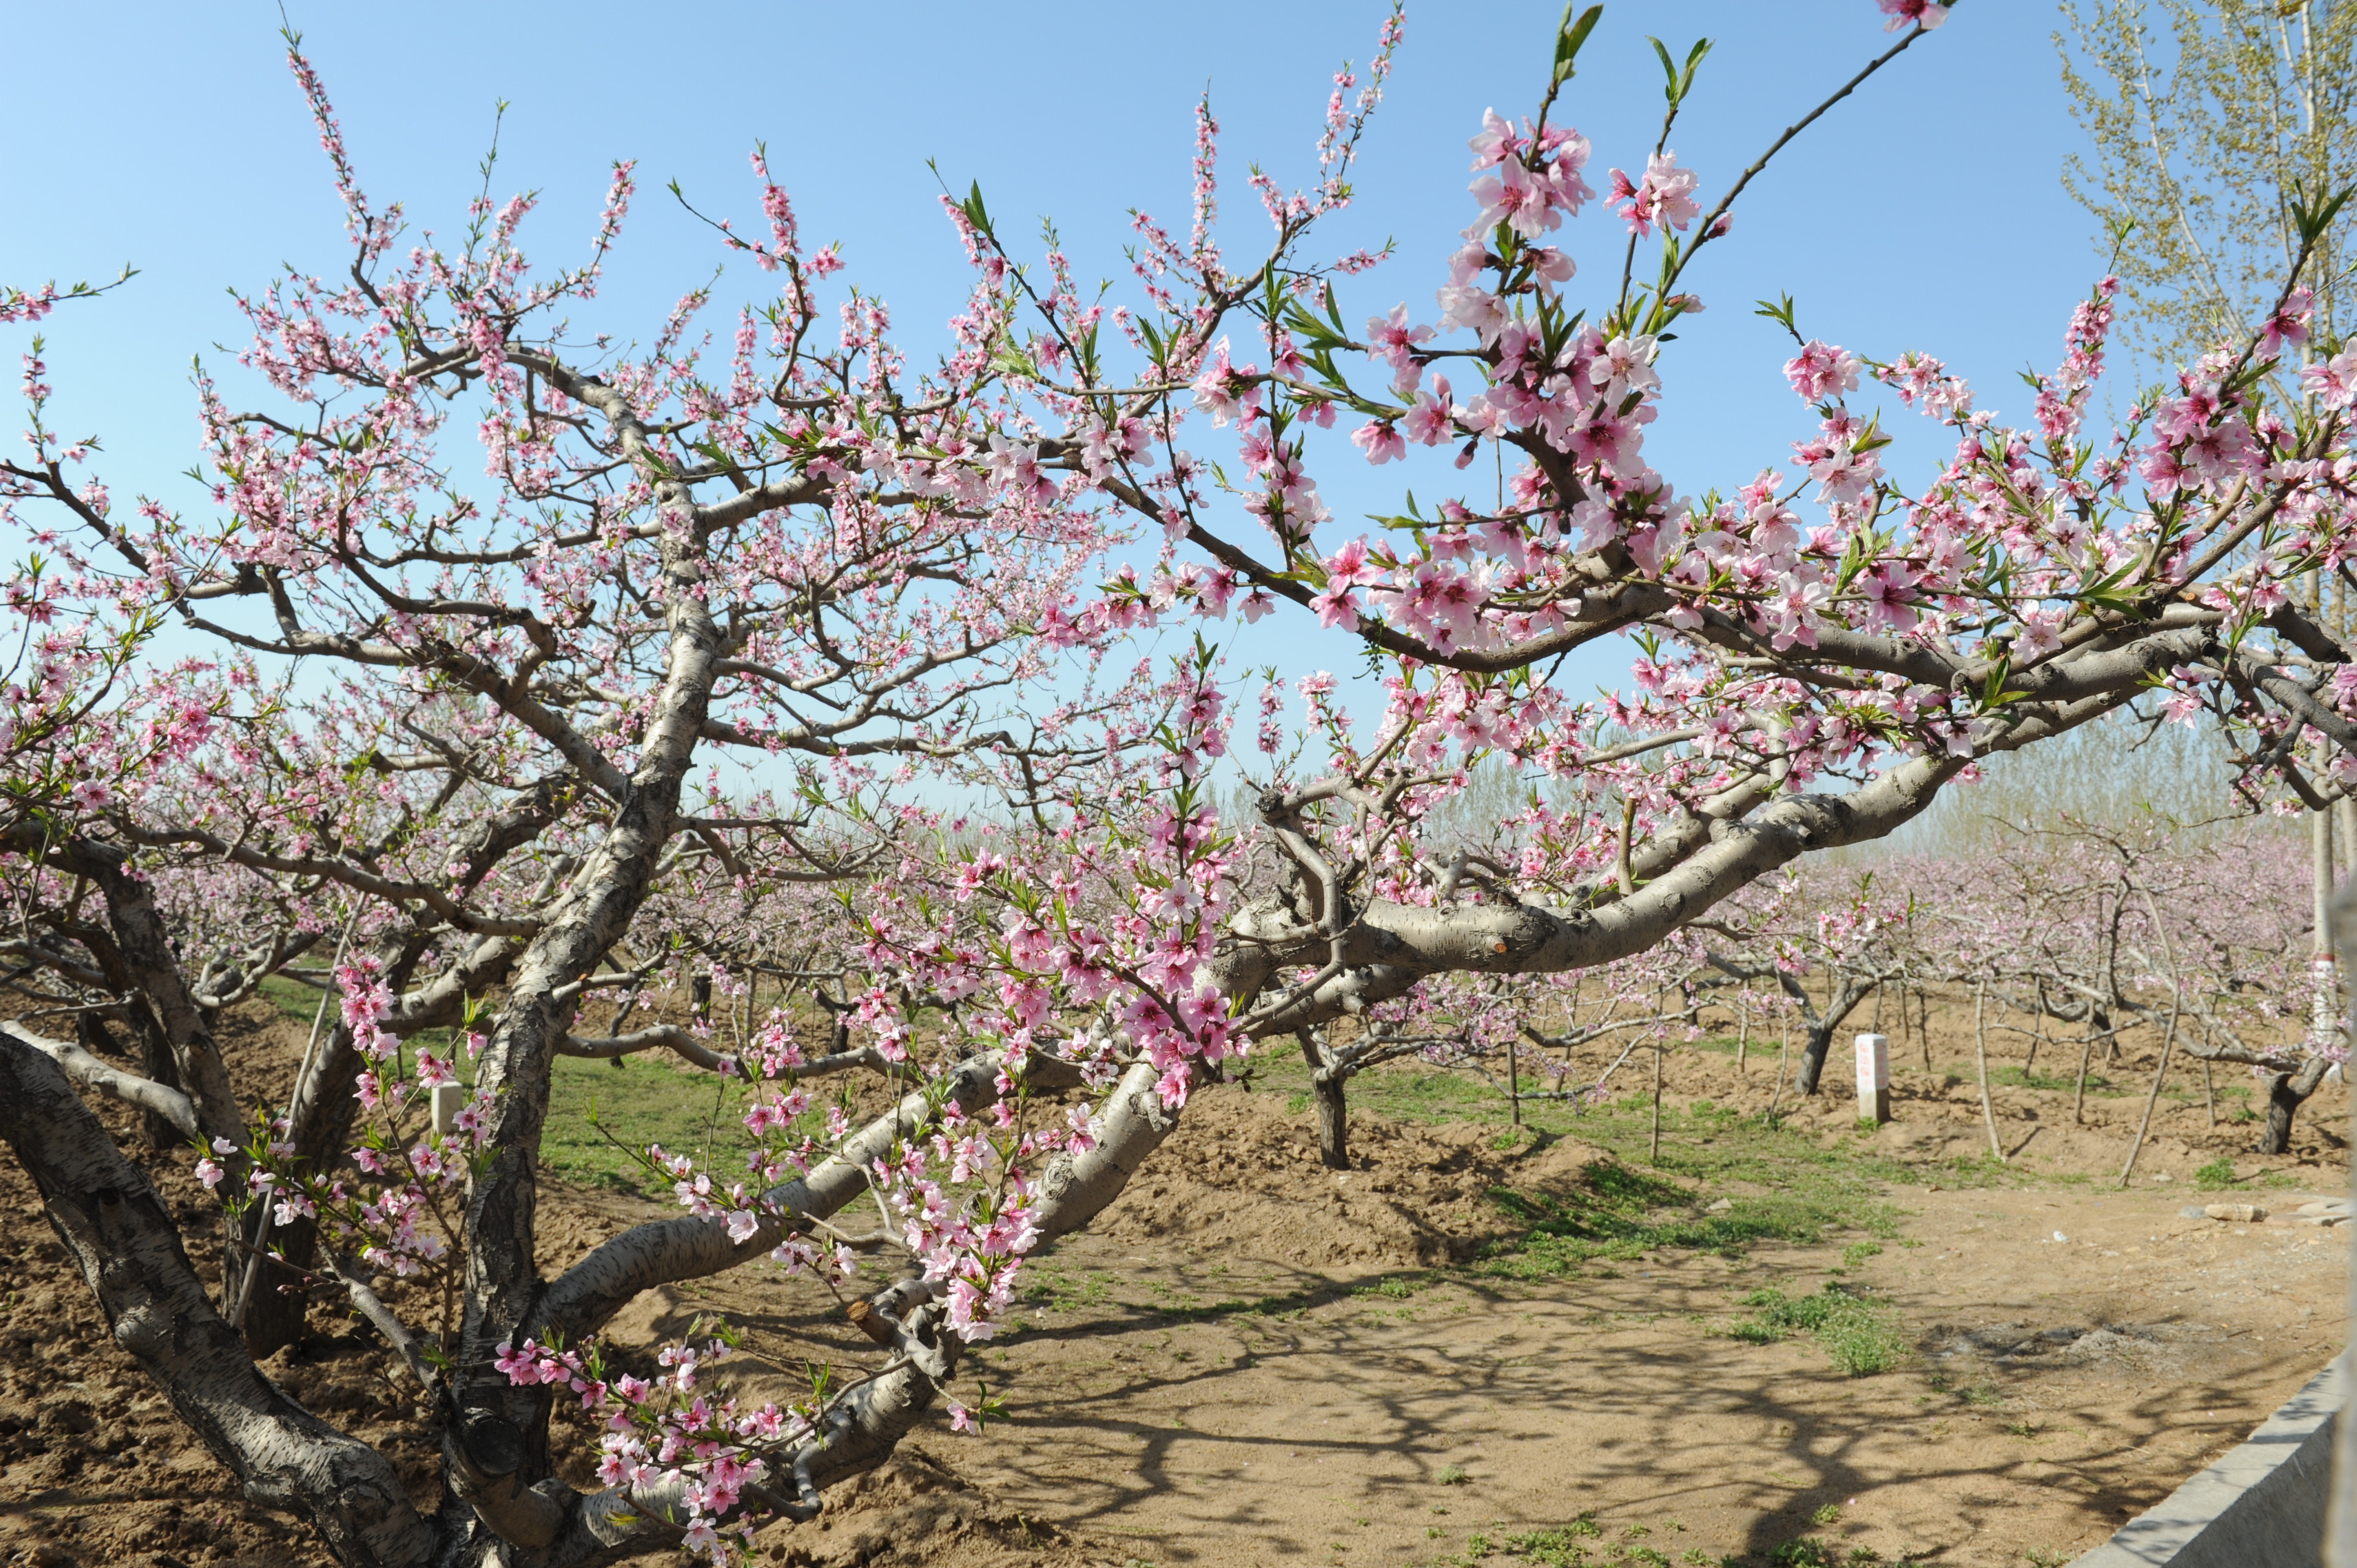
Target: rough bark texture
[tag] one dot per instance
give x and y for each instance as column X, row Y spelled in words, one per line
column 1331, row 1092
column 169, row 1105
column 1329, row 1088
column 109, row 1216
column 1820, row 1044
column 2287, row 1092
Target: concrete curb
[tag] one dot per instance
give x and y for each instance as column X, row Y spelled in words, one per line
column 2260, row 1506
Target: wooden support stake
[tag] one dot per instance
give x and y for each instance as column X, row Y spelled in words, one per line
column 1656, row 1155
column 1980, row 1050
column 1513, row 1082
column 2087, row 1055
column 2167, row 1045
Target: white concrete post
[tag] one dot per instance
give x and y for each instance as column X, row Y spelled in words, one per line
column 449, row 1098
column 1874, row 1078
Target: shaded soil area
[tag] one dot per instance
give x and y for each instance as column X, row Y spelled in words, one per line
column 1479, row 1344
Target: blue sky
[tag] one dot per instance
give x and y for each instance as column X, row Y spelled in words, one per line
column 1926, row 213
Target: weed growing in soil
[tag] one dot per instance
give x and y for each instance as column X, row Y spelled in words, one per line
column 1555, row 1548
column 1809, row 1551
column 2216, row 1176
column 1856, row 1333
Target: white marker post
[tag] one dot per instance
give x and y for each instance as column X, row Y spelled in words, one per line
column 1874, row 1078
column 449, row 1098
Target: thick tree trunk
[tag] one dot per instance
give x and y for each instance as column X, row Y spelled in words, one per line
column 1818, row 1045
column 1842, row 1000
column 111, row 1218
column 2287, row 1092
column 1330, row 1090
column 496, row 1453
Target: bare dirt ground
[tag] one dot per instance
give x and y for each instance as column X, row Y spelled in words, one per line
column 1252, row 1359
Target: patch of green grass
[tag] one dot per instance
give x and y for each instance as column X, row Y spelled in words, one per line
column 1702, row 1142
column 1620, row 1214
column 1857, row 1333
column 2216, row 1176
column 1827, row 1513
column 291, row 998
column 1057, row 1290
column 648, row 1100
column 1858, row 1252
column 2058, row 1082
column 1453, row 1476
column 1295, row 1104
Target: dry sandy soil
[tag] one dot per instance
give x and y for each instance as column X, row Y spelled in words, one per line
column 1256, row 1360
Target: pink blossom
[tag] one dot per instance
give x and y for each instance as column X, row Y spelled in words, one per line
column 1514, row 198
column 1821, row 370
column 1666, row 196
column 1380, row 441
column 1925, row 14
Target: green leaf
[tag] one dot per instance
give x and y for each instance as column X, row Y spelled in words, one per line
column 2312, row 221
column 1570, row 36
column 1779, row 311
column 1678, row 84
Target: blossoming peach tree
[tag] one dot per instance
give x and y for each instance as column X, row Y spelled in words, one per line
column 447, row 741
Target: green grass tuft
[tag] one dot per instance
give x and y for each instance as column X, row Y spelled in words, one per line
column 1857, row 1333
column 1557, row 1548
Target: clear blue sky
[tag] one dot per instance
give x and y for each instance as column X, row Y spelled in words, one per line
column 1925, row 212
